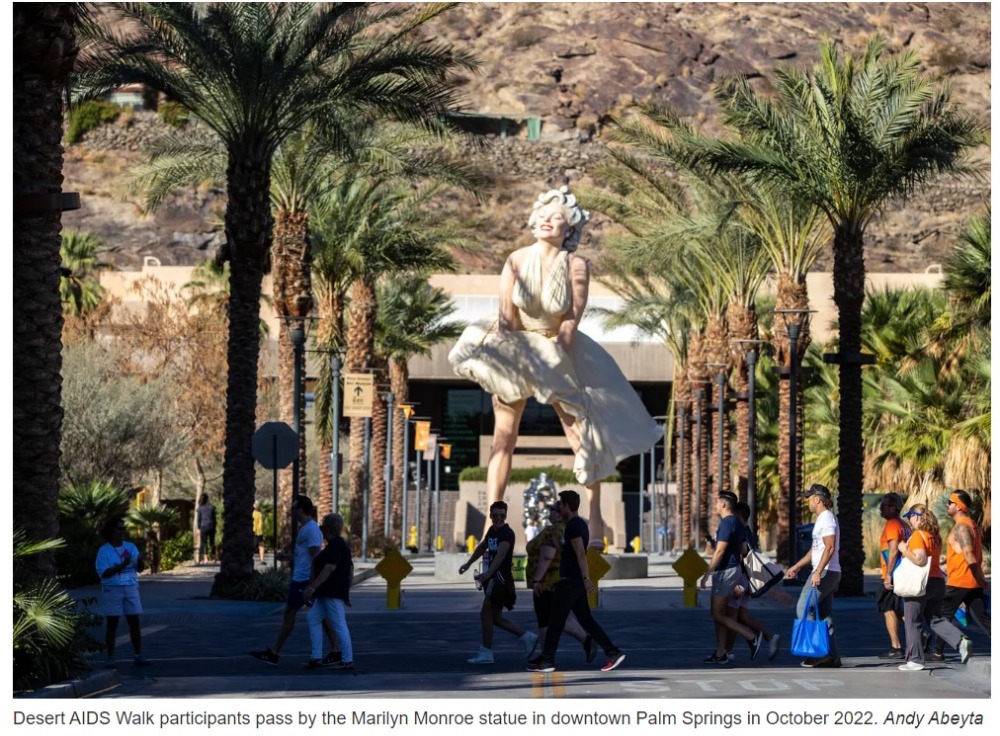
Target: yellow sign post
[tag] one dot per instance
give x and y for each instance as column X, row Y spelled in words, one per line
column 423, row 432
column 359, row 394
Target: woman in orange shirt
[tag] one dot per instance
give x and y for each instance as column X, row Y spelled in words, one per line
column 922, row 548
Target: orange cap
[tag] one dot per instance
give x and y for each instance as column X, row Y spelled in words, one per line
column 954, row 498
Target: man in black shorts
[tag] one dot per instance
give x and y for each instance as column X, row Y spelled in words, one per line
column 497, row 549
column 570, row 593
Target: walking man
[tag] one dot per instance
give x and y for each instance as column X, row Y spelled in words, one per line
column 739, row 601
column 497, row 551
column 966, row 582
column 330, row 588
column 825, row 560
column 308, row 544
column 570, row 593
column 894, row 533
column 726, row 573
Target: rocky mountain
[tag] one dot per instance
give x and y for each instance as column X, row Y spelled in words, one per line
column 552, row 77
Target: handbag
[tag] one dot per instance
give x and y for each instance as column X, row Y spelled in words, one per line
column 762, row 573
column 810, row 637
column 910, row 580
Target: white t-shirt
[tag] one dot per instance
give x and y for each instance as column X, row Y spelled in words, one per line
column 110, row 556
column 309, row 536
column 824, row 526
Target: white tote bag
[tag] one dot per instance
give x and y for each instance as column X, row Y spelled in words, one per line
column 910, row 580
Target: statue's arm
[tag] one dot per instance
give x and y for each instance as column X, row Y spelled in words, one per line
column 579, row 275
column 508, row 318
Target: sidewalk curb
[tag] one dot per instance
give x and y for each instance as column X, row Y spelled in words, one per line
column 83, row 687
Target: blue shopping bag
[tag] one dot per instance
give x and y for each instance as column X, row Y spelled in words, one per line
column 810, row 637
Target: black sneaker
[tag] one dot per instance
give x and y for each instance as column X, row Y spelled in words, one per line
column 590, row 648
column 822, row 662
column 540, row 665
column 266, row 656
column 935, row 657
column 332, row 658
column 712, row 659
column 892, row 654
column 313, row 664
column 756, row 645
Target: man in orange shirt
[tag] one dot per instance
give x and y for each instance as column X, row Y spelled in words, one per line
column 889, row 604
column 965, row 578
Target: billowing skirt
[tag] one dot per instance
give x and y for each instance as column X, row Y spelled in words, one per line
column 587, row 383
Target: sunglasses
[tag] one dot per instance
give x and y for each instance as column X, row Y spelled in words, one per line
column 498, row 516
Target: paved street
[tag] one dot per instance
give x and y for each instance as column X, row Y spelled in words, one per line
column 199, row 647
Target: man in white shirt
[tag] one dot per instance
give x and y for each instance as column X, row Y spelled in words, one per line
column 308, row 543
column 824, row 557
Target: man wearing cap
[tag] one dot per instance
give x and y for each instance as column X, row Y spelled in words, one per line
column 966, row 582
column 894, row 532
column 825, row 560
column 726, row 573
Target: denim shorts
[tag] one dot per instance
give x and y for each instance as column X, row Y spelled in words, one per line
column 295, row 598
column 723, row 581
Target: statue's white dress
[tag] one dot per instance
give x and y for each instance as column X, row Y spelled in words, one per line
column 611, row 418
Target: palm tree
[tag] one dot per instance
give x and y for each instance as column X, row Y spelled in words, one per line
column 45, row 50
column 79, row 291
column 848, row 137
column 253, row 73
column 412, row 318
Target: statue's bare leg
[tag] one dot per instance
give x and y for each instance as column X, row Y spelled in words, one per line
column 595, row 519
column 507, row 419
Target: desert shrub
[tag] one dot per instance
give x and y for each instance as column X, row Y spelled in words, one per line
column 522, row 38
column 87, row 116
column 83, row 509
column 173, row 114
column 50, row 632
column 176, row 550
column 267, row 585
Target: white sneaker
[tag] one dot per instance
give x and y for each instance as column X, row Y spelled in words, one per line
column 774, row 646
column 483, row 656
column 911, row 667
column 730, row 655
column 530, row 640
column 965, row 649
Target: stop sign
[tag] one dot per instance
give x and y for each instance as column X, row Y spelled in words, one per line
column 275, row 445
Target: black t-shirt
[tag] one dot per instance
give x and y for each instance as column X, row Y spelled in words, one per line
column 493, row 539
column 338, row 585
column 731, row 531
column 568, row 565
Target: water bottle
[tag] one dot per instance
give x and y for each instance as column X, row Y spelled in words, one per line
column 961, row 616
column 478, row 577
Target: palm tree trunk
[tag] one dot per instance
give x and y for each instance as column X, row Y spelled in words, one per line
column 742, row 321
column 716, row 352
column 292, row 300
column 329, row 337
column 849, row 296
column 44, row 53
column 248, row 232
column 399, row 382
column 700, row 461
column 360, row 345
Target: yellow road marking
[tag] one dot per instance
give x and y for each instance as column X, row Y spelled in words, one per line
column 545, row 685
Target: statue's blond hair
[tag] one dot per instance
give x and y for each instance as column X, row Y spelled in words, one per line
column 578, row 217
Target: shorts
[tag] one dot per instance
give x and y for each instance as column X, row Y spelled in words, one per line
column 258, row 540
column 723, row 581
column 744, row 599
column 543, row 607
column 207, row 541
column 295, row 599
column 888, row 601
column 120, row 600
column 501, row 595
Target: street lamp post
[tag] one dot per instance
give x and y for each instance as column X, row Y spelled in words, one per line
column 297, row 334
column 751, row 358
column 795, row 320
column 654, row 475
column 720, row 409
column 335, row 459
column 642, row 490
column 367, row 454
column 698, row 397
column 682, row 415
column 407, row 410
column 390, row 408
